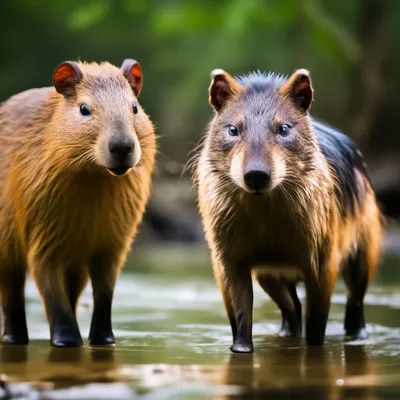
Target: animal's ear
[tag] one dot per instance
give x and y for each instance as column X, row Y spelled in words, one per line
column 66, row 76
column 223, row 88
column 133, row 73
column 299, row 88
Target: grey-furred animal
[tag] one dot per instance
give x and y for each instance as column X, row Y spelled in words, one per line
column 287, row 199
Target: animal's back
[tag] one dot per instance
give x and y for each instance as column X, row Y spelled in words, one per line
column 346, row 162
column 22, row 117
column 359, row 217
column 24, row 110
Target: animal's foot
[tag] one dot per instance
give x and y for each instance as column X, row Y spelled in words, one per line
column 289, row 333
column 242, row 348
column 66, row 337
column 9, row 338
column 100, row 339
column 359, row 334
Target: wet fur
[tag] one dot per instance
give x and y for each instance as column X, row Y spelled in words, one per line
column 65, row 218
column 320, row 217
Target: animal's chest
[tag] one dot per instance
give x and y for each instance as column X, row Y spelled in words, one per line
column 89, row 218
column 267, row 236
column 99, row 217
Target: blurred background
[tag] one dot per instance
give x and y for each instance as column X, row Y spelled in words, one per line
column 351, row 48
column 167, row 307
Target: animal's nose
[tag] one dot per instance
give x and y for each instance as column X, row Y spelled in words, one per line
column 257, row 179
column 121, row 148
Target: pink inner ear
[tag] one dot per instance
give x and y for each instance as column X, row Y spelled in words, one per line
column 135, row 78
column 66, row 76
column 64, row 72
column 136, row 72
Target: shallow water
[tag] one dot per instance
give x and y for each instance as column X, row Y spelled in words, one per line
column 173, row 343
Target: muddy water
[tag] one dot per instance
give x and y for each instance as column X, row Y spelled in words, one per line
column 173, row 343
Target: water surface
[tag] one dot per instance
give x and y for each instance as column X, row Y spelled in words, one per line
column 173, row 343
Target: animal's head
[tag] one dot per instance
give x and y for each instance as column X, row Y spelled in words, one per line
column 99, row 116
column 261, row 135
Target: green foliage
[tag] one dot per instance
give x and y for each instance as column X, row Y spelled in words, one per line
column 178, row 43
column 329, row 36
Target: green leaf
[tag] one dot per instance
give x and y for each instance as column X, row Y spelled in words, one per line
column 88, row 14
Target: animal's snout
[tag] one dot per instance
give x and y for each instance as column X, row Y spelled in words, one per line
column 121, row 148
column 125, row 154
column 257, row 178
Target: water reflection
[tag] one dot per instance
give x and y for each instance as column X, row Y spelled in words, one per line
column 59, row 355
column 279, row 369
column 13, row 354
column 172, row 337
column 60, row 367
column 332, row 372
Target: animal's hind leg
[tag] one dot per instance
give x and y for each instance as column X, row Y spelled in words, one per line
column 12, row 284
column 356, row 273
column 285, row 296
column 297, row 305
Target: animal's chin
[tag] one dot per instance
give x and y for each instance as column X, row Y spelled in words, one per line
column 256, row 193
column 262, row 192
column 119, row 171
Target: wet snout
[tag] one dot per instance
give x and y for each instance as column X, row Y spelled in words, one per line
column 256, row 177
column 124, row 150
column 121, row 149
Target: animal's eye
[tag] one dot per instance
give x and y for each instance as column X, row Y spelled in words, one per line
column 134, row 108
column 84, row 109
column 284, row 130
column 233, row 130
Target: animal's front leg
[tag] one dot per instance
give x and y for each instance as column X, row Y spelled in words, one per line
column 239, row 285
column 51, row 283
column 103, row 274
column 319, row 289
column 219, row 276
column 12, row 299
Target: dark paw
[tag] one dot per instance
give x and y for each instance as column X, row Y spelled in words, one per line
column 291, row 325
column 242, row 348
column 102, row 340
column 66, row 342
column 14, row 339
column 287, row 333
column 360, row 334
column 66, row 338
column 315, row 340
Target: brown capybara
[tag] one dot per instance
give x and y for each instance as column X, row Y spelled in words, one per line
column 76, row 162
column 287, row 198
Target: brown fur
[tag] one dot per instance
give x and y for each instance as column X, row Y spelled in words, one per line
column 63, row 215
column 295, row 230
